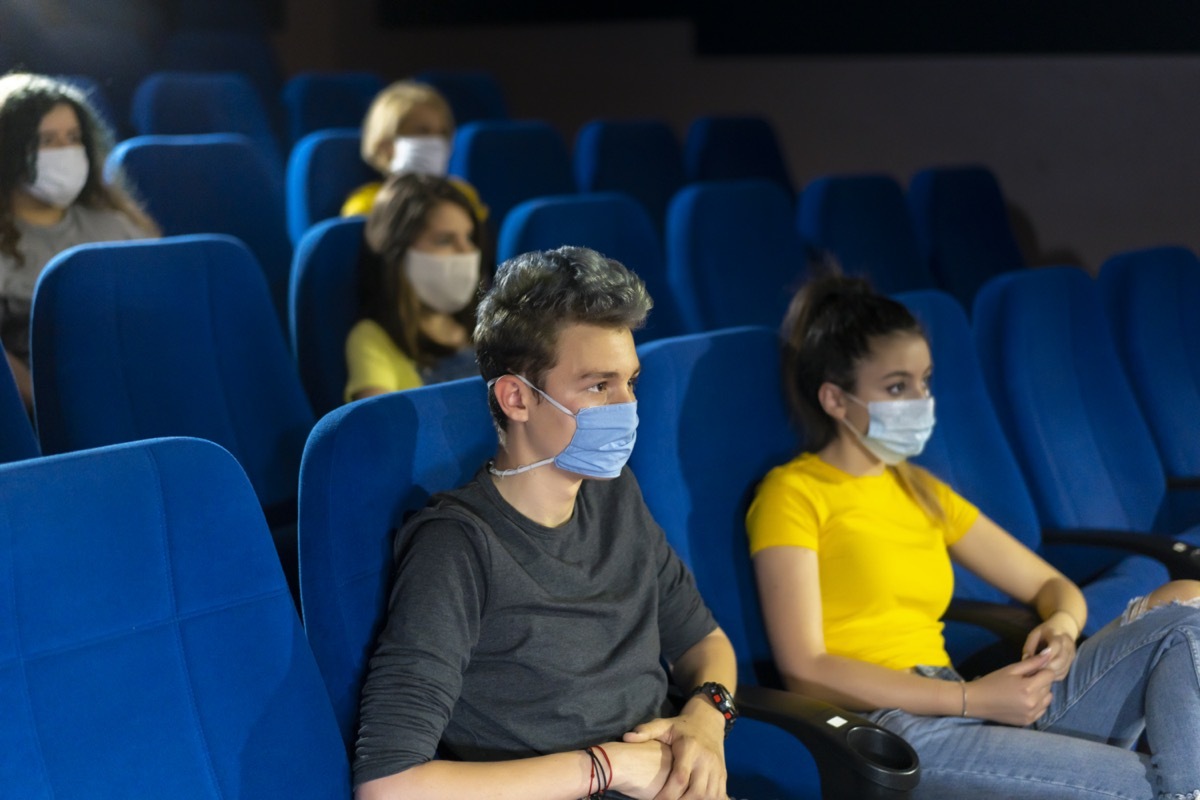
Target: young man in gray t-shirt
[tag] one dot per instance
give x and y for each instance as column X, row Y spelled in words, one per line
column 532, row 608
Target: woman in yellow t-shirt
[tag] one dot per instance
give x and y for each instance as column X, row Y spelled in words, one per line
column 852, row 548
column 409, row 128
column 419, row 279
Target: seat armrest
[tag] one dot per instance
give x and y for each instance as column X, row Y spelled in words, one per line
column 1010, row 623
column 855, row 757
column 1181, row 559
column 1190, row 483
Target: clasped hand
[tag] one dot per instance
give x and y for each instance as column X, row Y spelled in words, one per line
column 1020, row 693
column 696, row 739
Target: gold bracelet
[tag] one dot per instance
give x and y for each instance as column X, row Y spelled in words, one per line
column 963, row 686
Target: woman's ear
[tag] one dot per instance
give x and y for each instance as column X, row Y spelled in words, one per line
column 510, row 394
column 832, row 399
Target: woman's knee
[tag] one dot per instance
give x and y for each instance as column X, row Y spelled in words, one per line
column 1184, row 591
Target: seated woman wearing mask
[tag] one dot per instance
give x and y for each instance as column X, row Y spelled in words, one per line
column 52, row 196
column 419, row 279
column 408, row 128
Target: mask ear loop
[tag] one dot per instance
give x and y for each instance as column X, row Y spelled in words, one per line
column 508, row 473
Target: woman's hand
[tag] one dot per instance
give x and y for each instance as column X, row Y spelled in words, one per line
column 1057, row 634
column 1014, row 695
column 639, row 769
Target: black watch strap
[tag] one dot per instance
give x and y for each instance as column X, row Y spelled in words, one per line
column 721, row 698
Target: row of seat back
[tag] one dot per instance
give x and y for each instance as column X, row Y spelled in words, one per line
column 147, row 635
column 17, row 439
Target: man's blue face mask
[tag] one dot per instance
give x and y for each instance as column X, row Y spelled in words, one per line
column 602, row 442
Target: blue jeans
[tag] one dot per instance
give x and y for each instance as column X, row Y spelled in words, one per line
column 1133, row 675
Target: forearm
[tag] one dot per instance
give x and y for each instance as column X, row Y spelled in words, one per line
column 1058, row 595
column 562, row 776
column 862, row 686
column 710, row 659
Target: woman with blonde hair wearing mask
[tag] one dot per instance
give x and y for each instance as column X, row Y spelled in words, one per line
column 409, row 128
column 52, row 196
column 419, row 279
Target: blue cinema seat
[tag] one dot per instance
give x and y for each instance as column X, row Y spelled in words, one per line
column 863, row 221
column 322, row 170
column 246, row 50
column 508, row 161
column 639, row 157
column 1152, row 296
column 212, row 183
column 17, row 439
column 315, row 101
column 170, row 337
column 371, row 463
column 473, row 95
column 1067, row 409
column 724, row 148
column 968, row 450
column 962, row 227
column 611, row 223
column 324, row 306
column 733, row 256
column 148, row 642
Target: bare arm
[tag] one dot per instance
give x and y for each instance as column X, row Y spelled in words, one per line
column 789, row 586
column 639, row 770
column 994, row 555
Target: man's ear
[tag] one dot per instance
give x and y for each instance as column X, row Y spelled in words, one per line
column 832, row 399
column 512, row 397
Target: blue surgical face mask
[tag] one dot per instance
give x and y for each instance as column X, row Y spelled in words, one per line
column 602, row 442
column 898, row 429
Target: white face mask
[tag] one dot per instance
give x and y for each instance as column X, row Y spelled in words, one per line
column 61, row 174
column 445, row 283
column 424, row 155
column 898, row 429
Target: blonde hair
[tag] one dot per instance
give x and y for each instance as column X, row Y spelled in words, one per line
column 387, row 113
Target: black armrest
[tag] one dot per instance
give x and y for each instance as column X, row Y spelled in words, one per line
column 1189, row 483
column 1181, row 559
column 1010, row 623
column 855, row 757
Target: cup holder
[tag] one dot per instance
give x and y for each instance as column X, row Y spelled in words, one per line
column 881, row 748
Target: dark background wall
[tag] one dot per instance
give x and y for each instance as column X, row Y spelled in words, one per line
column 1096, row 144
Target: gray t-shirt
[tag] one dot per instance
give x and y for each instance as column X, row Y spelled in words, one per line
column 40, row 243
column 510, row 639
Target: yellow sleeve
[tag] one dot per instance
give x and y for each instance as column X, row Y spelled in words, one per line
column 783, row 512
column 360, row 200
column 373, row 361
column 472, row 195
column 960, row 513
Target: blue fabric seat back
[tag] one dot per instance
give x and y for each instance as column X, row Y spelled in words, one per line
column 700, row 454
column 247, row 51
column 316, row 101
column 214, row 183
column 508, row 161
column 322, row 170
column 1152, row 297
column 719, row 148
column 733, row 256
column 639, row 157
column 473, row 95
column 17, row 439
column 609, row 222
column 324, row 307
column 182, row 103
column 171, row 337
column 863, row 221
column 367, row 466
column 97, row 98
column 1064, row 402
column 147, row 635
column 962, row 227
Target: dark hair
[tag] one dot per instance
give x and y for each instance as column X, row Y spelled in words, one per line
column 535, row 295
column 827, row 333
column 398, row 217
column 829, row 329
column 25, row 99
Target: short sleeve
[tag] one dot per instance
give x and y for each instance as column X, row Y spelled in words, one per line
column 782, row 513
column 415, row 675
column 360, row 200
column 683, row 618
column 960, row 513
column 374, row 361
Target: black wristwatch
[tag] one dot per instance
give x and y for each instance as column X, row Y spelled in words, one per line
column 720, row 697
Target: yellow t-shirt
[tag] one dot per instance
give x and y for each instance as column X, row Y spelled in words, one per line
column 884, row 567
column 362, row 199
column 373, row 359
